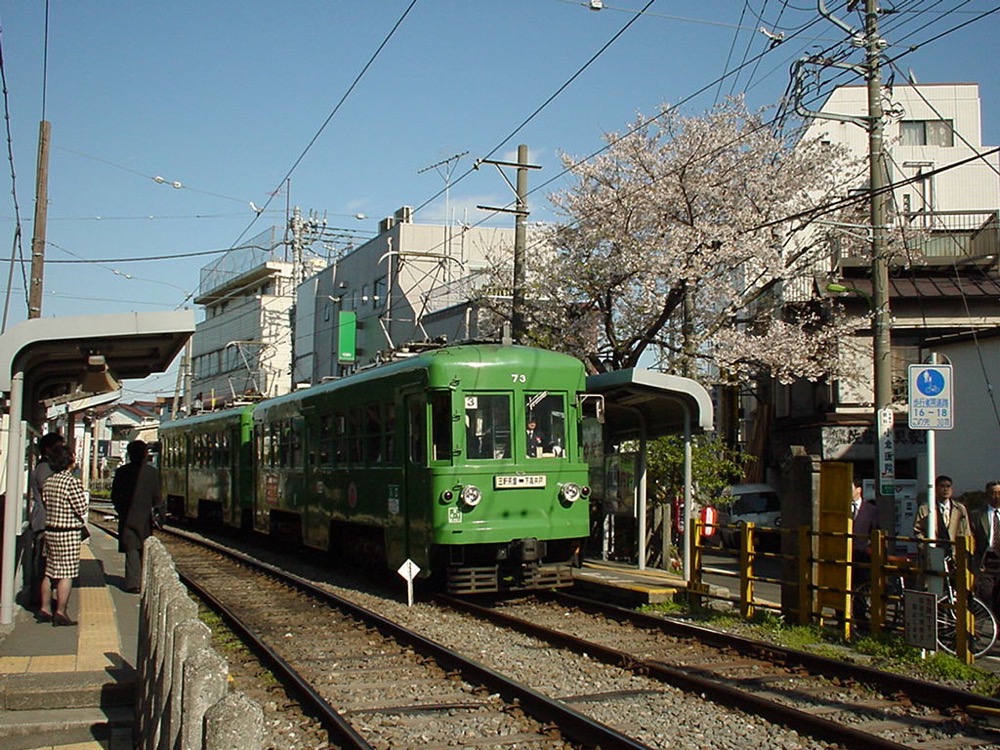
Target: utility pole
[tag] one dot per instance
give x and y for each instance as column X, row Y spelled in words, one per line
column 41, row 217
column 881, row 320
column 520, row 212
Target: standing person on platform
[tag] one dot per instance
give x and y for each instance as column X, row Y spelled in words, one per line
column 65, row 518
column 865, row 515
column 952, row 516
column 36, row 516
column 135, row 493
column 986, row 562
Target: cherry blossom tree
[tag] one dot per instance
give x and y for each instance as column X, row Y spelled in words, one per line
column 679, row 241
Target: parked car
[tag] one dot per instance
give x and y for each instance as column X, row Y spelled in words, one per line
column 758, row 504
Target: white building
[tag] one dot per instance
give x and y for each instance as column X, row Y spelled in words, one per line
column 409, row 284
column 943, row 281
column 929, row 128
column 243, row 347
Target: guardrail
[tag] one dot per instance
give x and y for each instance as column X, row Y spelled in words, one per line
column 184, row 699
column 821, row 581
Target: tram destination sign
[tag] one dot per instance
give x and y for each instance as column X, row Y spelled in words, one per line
column 511, row 481
column 932, row 406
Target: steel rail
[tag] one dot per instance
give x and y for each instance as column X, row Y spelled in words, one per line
column 719, row 692
column 574, row 725
column 925, row 693
column 329, row 716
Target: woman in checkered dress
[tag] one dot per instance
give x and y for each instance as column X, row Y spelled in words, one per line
column 65, row 510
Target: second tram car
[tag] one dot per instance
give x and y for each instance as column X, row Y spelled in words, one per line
column 465, row 460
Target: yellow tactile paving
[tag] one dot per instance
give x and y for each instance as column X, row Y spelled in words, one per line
column 14, row 664
column 53, row 663
column 98, row 644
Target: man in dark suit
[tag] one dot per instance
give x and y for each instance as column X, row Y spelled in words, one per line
column 986, row 558
column 135, row 493
column 865, row 515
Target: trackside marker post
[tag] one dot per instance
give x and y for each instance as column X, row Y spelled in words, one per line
column 409, row 570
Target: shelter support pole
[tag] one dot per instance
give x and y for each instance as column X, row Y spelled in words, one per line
column 687, row 492
column 13, row 498
column 641, row 489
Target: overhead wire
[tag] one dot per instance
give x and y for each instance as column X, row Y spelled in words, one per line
column 510, row 136
column 357, row 79
column 543, row 105
column 17, row 250
column 350, row 89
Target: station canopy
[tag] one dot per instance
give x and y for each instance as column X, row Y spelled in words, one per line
column 87, row 354
column 639, row 401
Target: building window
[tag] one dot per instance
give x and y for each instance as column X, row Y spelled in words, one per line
column 927, row 133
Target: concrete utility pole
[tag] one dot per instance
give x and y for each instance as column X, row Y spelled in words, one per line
column 520, row 212
column 871, row 69
column 41, row 217
column 881, row 320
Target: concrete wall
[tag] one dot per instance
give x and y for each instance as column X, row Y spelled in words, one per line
column 968, row 453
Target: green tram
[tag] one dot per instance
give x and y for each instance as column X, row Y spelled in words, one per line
column 206, row 467
column 465, row 460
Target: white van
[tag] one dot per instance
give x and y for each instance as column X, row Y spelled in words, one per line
column 758, row 504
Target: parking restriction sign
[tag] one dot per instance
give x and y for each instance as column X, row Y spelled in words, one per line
column 930, row 396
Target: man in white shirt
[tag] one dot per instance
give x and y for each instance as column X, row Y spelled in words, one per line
column 952, row 516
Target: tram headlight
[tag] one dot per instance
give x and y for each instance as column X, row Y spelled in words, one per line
column 570, row 492
column 471, row 495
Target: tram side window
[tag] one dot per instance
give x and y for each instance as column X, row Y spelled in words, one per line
column 390, row 434
column 545, row 425
column 355, row 444
column 373, row 434
column 271, row 445
column 441, row 424
column 417, row 430
column 487, row 426
column 340, row 444
column 296, row 446
column 326, row 439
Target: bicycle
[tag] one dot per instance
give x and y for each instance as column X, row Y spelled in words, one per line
column 984, row 629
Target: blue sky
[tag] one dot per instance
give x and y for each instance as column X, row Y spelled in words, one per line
column 225, row 97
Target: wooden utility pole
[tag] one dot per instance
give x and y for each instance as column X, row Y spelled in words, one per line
column 41, row 217
column 520, row 212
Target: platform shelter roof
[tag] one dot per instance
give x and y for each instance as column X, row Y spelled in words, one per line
column 52, row 353
column 639, row 400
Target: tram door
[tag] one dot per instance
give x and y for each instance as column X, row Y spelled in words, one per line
column 403, row 527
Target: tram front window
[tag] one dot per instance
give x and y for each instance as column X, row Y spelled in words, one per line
column 544, row 425
column 487, row 426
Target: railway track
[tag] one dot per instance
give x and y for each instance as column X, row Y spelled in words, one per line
column 832, row 700
column 373, row 682
column 817, row 702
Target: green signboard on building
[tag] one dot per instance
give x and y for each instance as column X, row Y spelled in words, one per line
column 347, row 337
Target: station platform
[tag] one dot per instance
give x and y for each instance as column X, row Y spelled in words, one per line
column 74, row 687
column 624, row 584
